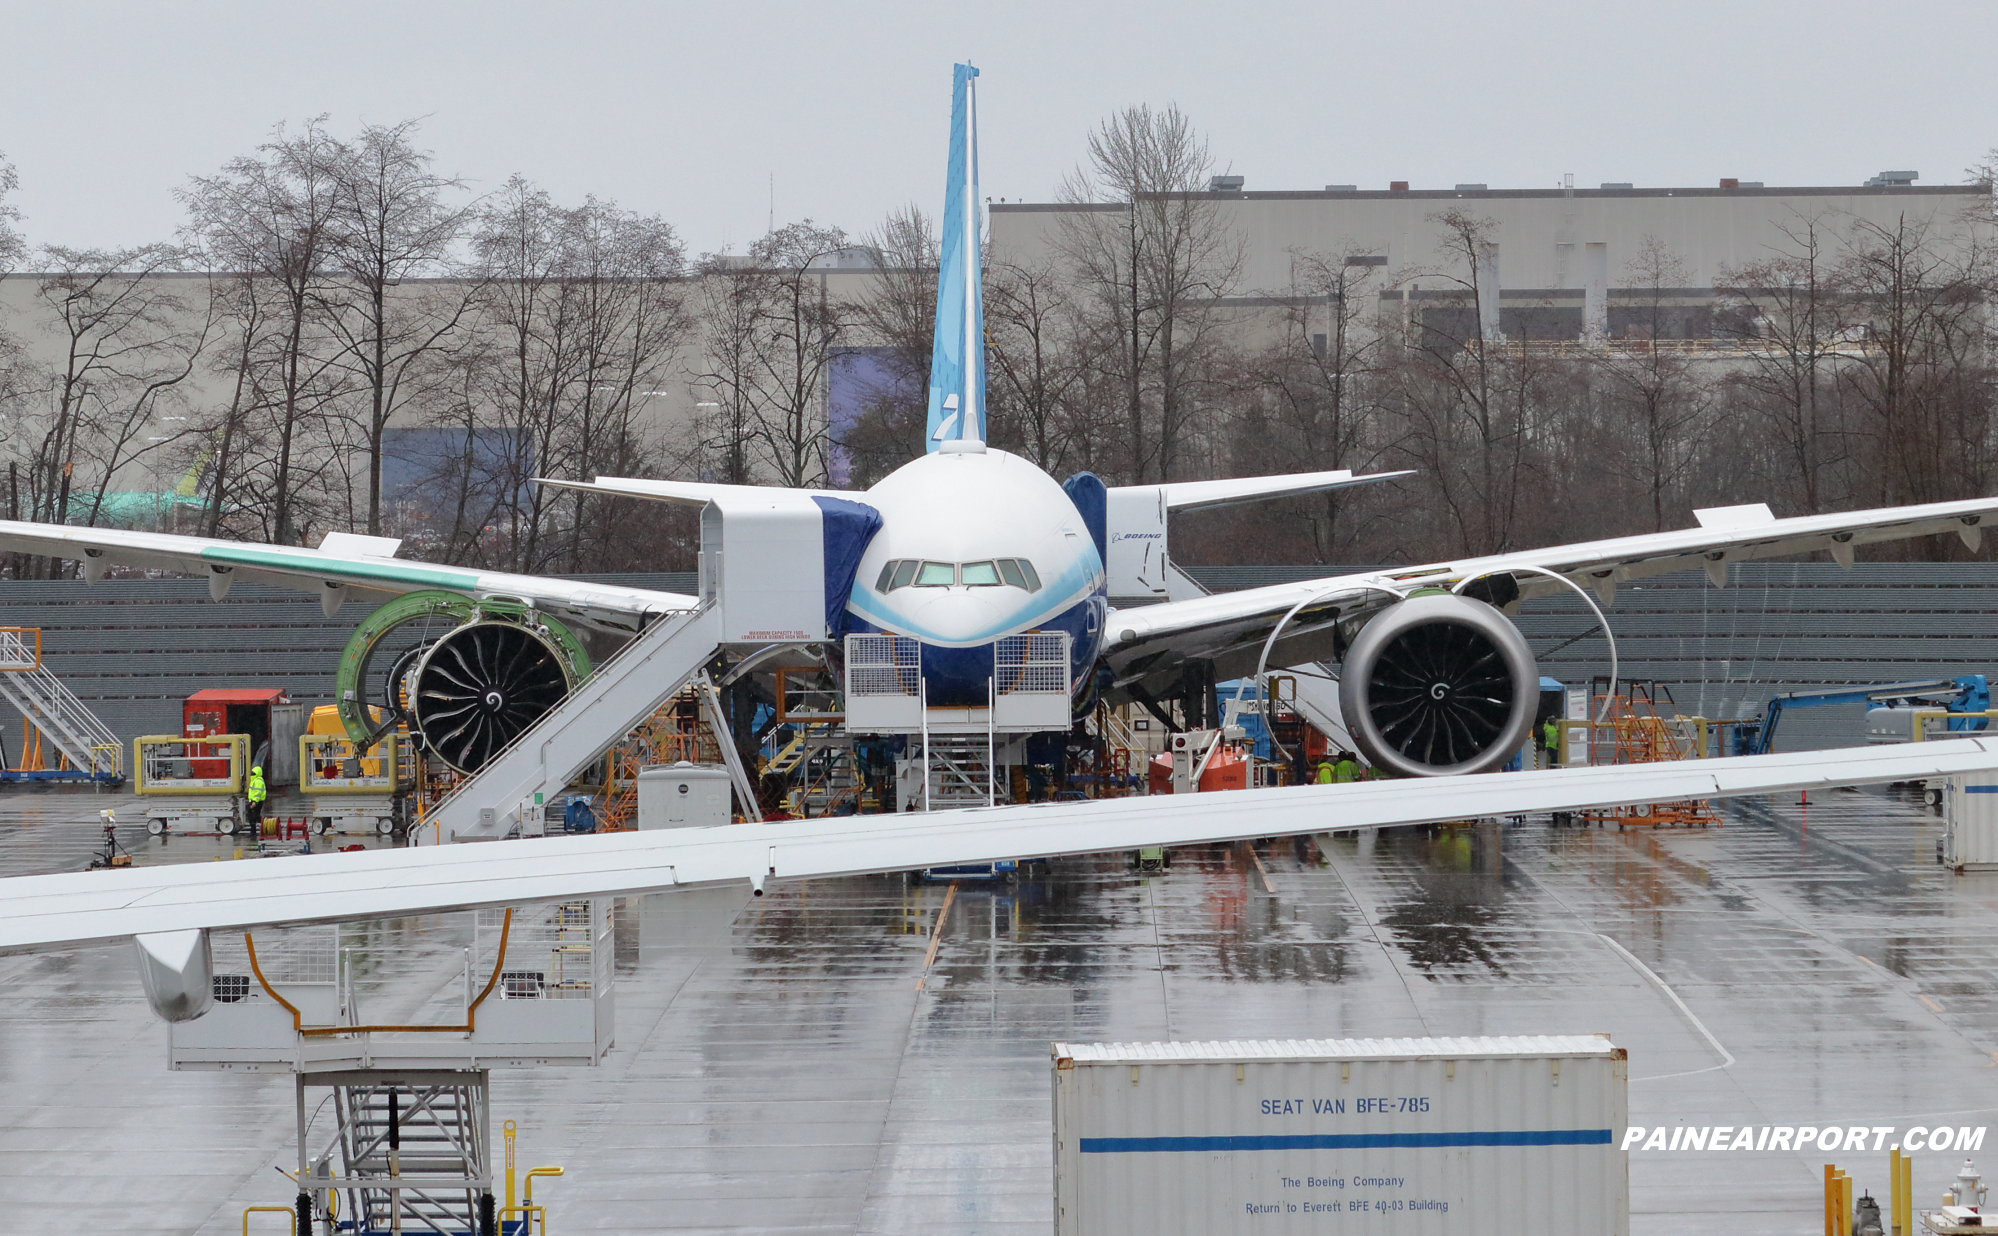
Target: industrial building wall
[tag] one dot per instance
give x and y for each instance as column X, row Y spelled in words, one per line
column 132, row 649
column 1543, row 235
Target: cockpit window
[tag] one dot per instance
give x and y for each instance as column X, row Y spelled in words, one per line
column 905, row 572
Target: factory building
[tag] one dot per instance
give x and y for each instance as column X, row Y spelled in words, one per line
column 1558, row 264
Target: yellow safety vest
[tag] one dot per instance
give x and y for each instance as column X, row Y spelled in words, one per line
column 257, row 792
column 1325, row 773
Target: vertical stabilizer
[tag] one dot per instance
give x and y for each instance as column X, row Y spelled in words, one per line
column 957, row 358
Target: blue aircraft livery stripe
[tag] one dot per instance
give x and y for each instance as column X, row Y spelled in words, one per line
column 1344, row 1141
column 1980, row 789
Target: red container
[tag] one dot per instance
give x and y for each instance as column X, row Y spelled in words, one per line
column 229, row 710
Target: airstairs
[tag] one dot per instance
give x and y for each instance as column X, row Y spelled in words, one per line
column 442, row 1152
column 547, row 756
column 92, row 750
column 959, row 772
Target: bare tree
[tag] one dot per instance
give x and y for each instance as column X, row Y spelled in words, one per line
column 1470, row 401
column 268, row 220
column 1660, row 408
column 1314, row 396
column 389, row 225
column 1038, row 363
column 129, row 340
column 730, row 301
column 890, row 376
column 579, row 317
column 798, row 326
column 1792, row 317
column 1920, row 381
column 1151, row 270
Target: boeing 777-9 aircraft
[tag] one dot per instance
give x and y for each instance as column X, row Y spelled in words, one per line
column 958, row 551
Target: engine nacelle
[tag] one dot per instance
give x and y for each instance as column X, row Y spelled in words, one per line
column 478, row 687
column 1437, row 685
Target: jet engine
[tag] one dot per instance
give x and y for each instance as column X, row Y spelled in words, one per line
column 1439, row 684
column 478, row 687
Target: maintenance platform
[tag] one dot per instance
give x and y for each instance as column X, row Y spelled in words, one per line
column 870, row 1054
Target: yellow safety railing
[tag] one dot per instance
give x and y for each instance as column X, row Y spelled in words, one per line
column 176, row 764
column 534, row 1218
column 335, row 764
column 1923, row 716
column 276, row 1210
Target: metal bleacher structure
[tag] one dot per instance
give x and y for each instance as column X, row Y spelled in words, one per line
column 132, row 650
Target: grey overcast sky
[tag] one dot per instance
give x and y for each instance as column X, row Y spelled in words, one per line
column 689, row 110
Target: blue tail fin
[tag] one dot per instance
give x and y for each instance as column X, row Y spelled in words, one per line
column 957, row 358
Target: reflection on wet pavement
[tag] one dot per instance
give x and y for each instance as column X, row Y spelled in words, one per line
column 778, row 1068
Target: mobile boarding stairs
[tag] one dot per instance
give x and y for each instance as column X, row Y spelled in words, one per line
column 771, row 575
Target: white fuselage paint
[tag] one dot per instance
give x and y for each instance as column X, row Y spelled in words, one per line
column 968, row 505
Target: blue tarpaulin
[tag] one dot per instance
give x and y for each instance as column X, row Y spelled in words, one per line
column 846, row 528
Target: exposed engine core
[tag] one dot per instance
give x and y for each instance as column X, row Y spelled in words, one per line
column 478, row 687
column 1439, row 684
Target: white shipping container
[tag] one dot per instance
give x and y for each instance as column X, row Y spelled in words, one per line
column 1970, row 822
column 1363, row 1137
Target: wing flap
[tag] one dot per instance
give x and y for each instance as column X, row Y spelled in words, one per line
column 87, row 907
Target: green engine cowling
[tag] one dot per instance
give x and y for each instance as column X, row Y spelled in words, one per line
column 498, row 669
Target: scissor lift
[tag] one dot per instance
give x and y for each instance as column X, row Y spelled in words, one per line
column 190, row 783
column 355, row 790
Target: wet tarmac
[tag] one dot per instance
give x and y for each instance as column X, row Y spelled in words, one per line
column 793, row 1064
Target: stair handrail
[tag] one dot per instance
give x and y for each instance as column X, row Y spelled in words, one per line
column 596, row 671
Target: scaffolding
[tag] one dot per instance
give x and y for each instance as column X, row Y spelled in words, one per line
column 1640, row 724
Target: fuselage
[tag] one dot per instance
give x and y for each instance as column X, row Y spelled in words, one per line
column 974, row 546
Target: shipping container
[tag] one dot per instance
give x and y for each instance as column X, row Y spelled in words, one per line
column 1970, row 822
column 1364, row 1137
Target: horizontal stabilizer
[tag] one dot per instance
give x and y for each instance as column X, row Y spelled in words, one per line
column 1197, row 495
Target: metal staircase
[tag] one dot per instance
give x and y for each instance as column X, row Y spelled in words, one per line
column 442, row 1130
column 624, row 690
column 85, row 741
column 959, row 769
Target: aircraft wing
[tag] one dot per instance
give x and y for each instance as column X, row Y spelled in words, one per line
column 687, row 493
column 48, row 911
column 1202, row 495
column 1229, row 628
column 345, row 565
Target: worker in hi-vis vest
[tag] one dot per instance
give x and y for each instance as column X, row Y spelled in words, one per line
column 1550, row 740
column 257, row 793
column 1327, row 772
column 1347, row 769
